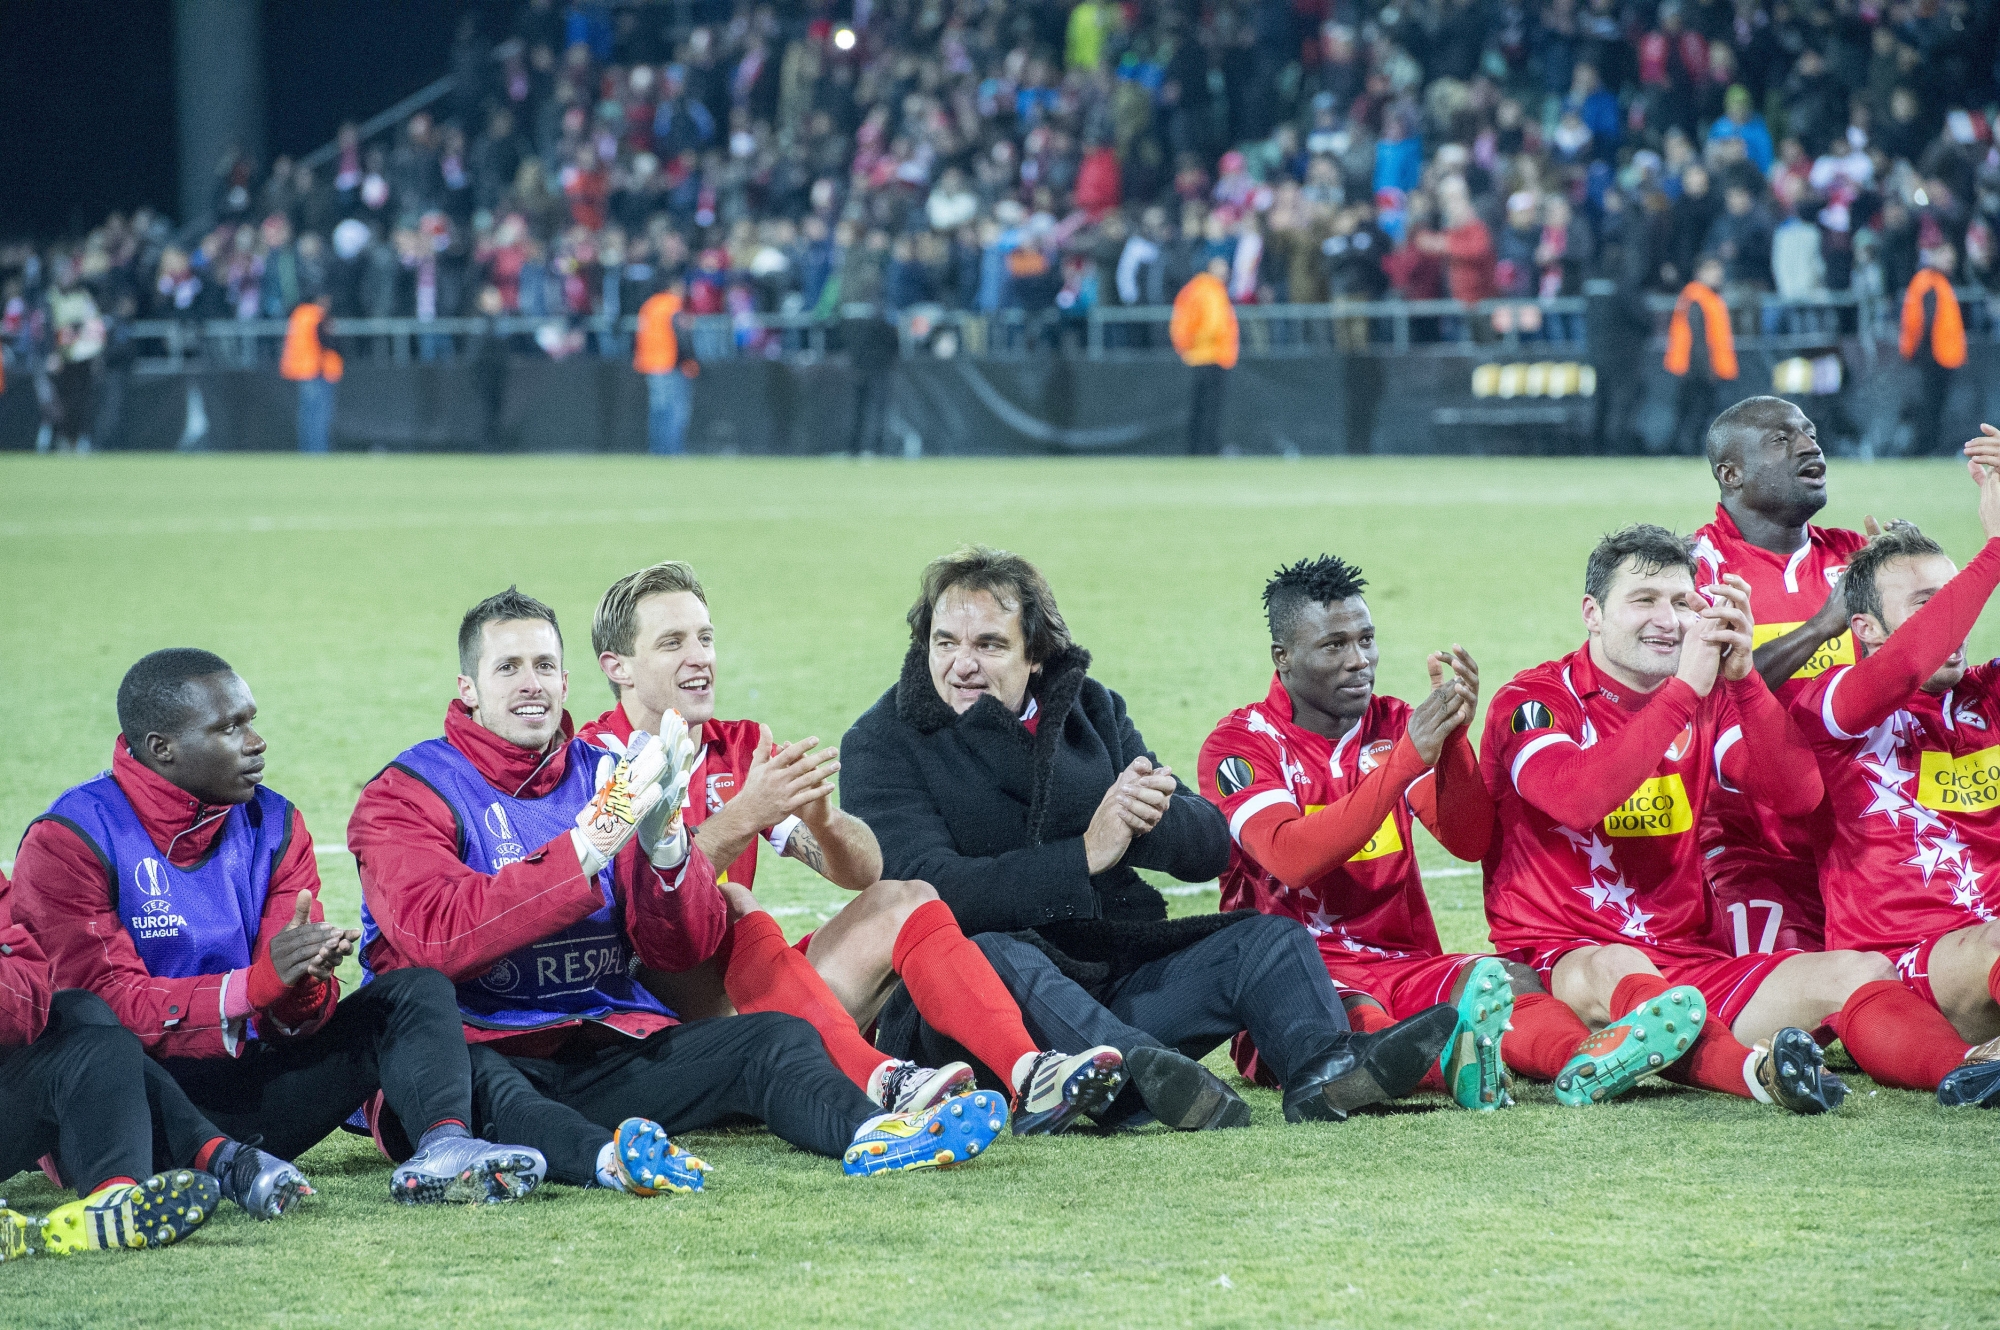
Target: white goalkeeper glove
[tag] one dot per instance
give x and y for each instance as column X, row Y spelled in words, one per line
column 662, row 832
column 628, row 790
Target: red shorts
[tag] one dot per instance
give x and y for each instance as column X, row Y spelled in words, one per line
column 804, row 942
column 1765, row 903
column 1401, row 985
column 1727, row 983
column 1913, row 967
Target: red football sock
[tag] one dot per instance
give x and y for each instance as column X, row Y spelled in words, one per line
column 1896, row 1037
column 955, row 988
column 121, row 1179
column 1367, row 1018
column 1716, row 1060
column 1545, row 1036
column 765, row 974
column 206, row 1155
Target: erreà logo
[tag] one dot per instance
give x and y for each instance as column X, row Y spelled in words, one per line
column 149, row 875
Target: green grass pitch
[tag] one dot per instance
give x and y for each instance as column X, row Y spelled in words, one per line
column 335, row 587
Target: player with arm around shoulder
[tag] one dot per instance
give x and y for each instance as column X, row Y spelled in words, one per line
column 1906, row 741
column 1600, row 764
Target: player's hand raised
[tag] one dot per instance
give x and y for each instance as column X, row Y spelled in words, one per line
column 1983, row 460
column 1450, row 705
column 1727, row 623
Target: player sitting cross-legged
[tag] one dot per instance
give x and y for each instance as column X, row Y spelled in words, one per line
column 656, row 646
column 1321, row 782
column 1600, row 765
column 1908, row 741
column 537, row 872
column 184, row 892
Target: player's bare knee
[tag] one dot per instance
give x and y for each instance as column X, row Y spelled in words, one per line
column 897, row 901
column 1987, row 938
column 1867, row 967
column 1609, row 964
column 1522, row 978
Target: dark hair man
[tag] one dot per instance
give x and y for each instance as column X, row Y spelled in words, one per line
column 1321, row 782
column 1600, row 765
column 999, row 771
column 1906, row 742
column 536, row 875
column 184, row 892
column 77, row 1090
column 1761, row 868
column 656, row 646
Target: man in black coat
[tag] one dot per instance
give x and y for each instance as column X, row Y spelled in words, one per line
column 999, row 772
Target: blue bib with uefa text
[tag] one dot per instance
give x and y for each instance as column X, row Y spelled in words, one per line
column 583, row 972
column 202, row 919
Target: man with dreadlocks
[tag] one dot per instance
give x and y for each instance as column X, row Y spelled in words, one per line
column 1320, row 782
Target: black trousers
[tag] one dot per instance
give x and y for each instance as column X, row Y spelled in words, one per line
column 1695, row 409
column 399, row 1033
column 763, row 1067
column 1263, row 975
column 1205, row 411
column 1927, row 438
column 1613, row 430
column 86, row 1092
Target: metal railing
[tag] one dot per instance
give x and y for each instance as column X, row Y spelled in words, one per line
column 1379, row 327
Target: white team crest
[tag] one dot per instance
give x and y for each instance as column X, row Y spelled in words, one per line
column 150, row 877
column 1967, row 716
column 1833, row 575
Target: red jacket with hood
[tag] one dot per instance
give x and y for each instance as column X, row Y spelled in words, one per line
column 25, row 982
column 68, row 901
column 435, row 910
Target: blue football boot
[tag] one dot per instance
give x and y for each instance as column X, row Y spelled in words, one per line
column 646, row 1163
column 954, row 1132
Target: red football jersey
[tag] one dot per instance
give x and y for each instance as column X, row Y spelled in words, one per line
column 724, row 764
column 1916, row 844
column 1374, row 903
column 1763, row 867
column 1636, row 877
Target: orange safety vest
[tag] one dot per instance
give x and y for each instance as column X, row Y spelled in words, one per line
column 304, row 358
column 1715, row 326
column 1947, row 326
column 1203, row 327
column 657, row 350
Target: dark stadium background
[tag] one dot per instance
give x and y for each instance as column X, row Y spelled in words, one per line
column 87, row 94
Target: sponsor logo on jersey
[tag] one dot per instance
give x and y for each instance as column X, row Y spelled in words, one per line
column 1531, row 716
column 502, row 978
column 1375, row 754
column 1233, row 775
column 1683, row 741
column 1966, row 784
column 1387, row 840
column 1840, row 651
column 1660, row 807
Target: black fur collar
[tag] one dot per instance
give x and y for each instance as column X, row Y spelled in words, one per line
column 1062, row 677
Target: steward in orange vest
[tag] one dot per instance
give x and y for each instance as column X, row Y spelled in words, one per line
column 657, row 349
column 304, row 358
column 1203, row 327
column 1947, row 323
column 1721, row 342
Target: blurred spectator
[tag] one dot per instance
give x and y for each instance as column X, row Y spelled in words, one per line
column 1048, row 157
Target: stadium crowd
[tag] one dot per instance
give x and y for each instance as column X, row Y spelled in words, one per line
column 1054, row 155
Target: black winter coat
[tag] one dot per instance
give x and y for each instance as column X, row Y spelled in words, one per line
column 993, row 816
